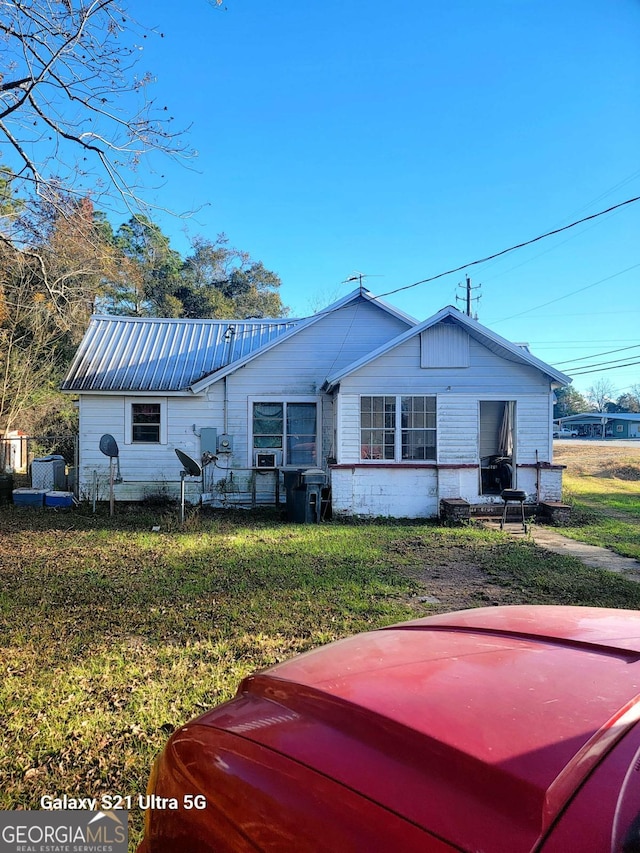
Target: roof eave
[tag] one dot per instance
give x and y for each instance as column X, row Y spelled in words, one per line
column 477, row 330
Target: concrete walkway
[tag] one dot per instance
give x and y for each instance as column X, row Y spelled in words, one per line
column 590, row 555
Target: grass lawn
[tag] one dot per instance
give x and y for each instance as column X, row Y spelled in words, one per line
column 112, row 635
column 603, row 486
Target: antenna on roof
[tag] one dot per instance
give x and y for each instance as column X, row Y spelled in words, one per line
column 358, row 276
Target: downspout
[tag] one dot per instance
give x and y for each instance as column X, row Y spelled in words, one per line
column 225, row 407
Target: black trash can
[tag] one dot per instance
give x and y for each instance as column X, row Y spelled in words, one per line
column 6, row 489
column 304, row 494
column 292, row 481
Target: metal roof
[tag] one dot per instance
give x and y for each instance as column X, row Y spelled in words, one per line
column 162, row 355
column 597, row 417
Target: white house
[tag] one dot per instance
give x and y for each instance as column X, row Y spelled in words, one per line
column 399, row 414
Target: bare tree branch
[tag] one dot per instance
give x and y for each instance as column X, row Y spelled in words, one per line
column 74, row 112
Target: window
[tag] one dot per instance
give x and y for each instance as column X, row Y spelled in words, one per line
column 377, row 427
column 145, row 423
column 398, row 428
column 418, row 427
column 288, row 426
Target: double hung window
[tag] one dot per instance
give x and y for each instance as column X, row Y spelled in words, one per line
column 290, row 427
column 397, row 428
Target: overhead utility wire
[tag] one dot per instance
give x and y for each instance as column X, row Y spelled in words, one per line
column 597, row 355
column 566, row 295
column 582, row 367
column 604, row 369
column 512, row 248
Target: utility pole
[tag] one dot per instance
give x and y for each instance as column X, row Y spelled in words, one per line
column 469, row 298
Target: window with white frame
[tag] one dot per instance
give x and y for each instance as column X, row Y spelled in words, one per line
column 146, row 421
column 398, row 428
column 288, row 426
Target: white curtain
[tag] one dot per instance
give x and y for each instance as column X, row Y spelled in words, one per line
column 505, row 437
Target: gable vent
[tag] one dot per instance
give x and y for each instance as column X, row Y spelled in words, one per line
column 444, row 345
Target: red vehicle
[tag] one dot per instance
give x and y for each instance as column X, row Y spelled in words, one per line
column 498, row 730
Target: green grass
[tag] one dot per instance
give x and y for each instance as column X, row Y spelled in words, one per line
column 111, row 635
column 606, row 512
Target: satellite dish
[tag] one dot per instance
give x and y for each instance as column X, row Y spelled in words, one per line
column 190, row 465
column 109, row 446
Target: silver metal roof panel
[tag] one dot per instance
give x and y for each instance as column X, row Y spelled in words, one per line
column 160, row 355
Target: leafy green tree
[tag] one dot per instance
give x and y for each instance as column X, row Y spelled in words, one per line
column 628, row 402
column 148, row 274
column 215, row 280
column 221, row 281
column 569, row 402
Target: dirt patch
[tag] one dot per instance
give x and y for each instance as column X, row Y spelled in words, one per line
column 452, row 578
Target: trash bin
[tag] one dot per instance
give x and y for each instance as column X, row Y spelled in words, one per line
column 49, row 473
column 304, row 494
column 292, row 481
column 6, row 488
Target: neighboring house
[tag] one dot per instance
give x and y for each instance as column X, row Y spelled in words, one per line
column 609, row 425
column 399, row 414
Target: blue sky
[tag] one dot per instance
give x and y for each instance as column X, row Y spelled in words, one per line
column 401, row 140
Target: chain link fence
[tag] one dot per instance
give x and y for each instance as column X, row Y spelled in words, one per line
column 17, row 453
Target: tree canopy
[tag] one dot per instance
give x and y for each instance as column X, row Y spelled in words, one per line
column 62, row 261
column 214, row 280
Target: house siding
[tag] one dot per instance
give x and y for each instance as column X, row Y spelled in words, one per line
column 146, row 468
column 414, row 489
column 295, row 368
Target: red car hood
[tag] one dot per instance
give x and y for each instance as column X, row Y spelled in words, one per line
column 475, row 725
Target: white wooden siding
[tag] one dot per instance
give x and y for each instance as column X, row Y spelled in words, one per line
column 144, row 467
column 458, row 392
column 399, row 372
column 299, row 366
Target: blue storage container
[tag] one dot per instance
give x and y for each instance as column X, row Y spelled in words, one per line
column 58, row 499
column 28, row 497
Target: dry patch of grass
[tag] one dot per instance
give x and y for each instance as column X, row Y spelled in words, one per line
column 603, row 485
column 596, row 460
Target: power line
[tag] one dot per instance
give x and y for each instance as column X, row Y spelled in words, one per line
column 598, row 354
column 513, row 248
column 603, row 369
column 566, row 295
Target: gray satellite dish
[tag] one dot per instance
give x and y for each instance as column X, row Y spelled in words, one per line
column 109, row 446
column 190, row 465
column 190, row 469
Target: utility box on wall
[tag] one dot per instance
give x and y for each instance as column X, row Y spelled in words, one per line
column 209, row 440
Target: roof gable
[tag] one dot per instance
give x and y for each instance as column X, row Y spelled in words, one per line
column 349, row 299
column 497, row 344
column 166, row 355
